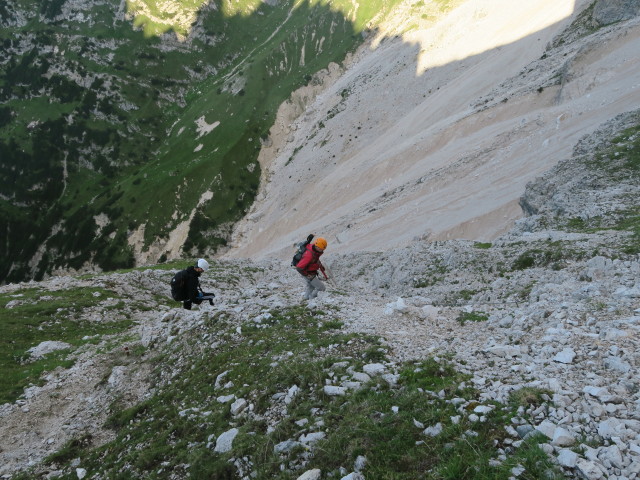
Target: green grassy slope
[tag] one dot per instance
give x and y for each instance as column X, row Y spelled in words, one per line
column 99, row 118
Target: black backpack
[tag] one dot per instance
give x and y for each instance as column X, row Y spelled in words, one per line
column 179, row 286
column 301, row 247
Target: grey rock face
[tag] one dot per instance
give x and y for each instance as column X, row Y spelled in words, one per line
column 606, row 12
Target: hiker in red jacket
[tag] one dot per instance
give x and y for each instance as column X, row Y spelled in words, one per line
column 309, row 265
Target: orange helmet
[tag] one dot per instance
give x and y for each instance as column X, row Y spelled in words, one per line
column 320, row 243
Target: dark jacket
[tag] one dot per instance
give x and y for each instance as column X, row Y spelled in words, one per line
column 310, row 262
column 193, row 284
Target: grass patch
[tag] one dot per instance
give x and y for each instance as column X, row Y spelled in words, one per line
column 31, row 316
column 618, row 162
column 427, row 282
column 529, row 397
column 70, row 450
column 465, row 317
column 629, row 220
column 553, row 255
column 435, row 275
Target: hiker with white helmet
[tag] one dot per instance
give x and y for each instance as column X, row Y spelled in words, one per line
column 185, row 285
column 309, row 265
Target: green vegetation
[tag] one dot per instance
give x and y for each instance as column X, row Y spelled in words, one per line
column 436, row 274
column 618, row 162
column 179, row 424
column 30, row 317
column 553, row 254
column 529, row 397
column 582, row 26
column 427, row 282
column 624, row 165
column 70, row 450
column 524, row 292
column 465, row 317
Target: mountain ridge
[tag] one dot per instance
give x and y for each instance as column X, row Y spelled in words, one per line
column 365, row 173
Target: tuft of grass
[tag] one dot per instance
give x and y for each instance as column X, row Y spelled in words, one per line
column 529, row 397
column 70, row 450
column 553, row 255
column 465, row 317
column 427, row 282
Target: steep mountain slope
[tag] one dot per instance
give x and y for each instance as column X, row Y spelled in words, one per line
column 542, row 327
column 435, row 133
column 121, row 121
column 445, row 359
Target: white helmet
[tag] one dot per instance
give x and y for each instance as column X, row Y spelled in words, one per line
column 203, row 264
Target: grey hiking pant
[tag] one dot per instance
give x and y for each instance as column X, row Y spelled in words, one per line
column 314, row 285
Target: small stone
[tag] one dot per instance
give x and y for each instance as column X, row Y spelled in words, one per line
column 565, row 356
column 567, row 458
column 434, row 430
column 311, row 437
column 315, row 474
column 238, row 406
column 588, row 470
column 353, row 476
column 523, row 430
column 562, row 438
column 547, row 428
column 611, row 454
column 285, row 446
column 334, row 391
column 374, row 369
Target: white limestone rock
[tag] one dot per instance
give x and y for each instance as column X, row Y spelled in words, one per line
column 311, row 437
column 334, row 390
column 224, row 443
column 239, row 406
column 565, row 356
column 589, row 470
column 46, row 347
column 315, row 474
column 434, row 430
column 373, row 369
column 567, row 458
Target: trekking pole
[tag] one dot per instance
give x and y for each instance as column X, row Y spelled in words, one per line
column 330, row 279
